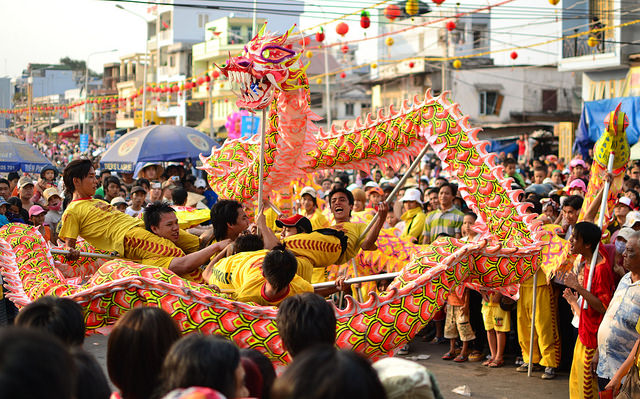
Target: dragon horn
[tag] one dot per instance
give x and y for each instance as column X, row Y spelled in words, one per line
column 261, row 31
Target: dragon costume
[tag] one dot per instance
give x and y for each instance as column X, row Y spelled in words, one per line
column 511, row 245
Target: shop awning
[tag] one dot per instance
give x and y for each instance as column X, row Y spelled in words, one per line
column 67, row 129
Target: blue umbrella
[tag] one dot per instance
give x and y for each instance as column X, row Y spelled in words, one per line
column 156, row 143
column 16, row 155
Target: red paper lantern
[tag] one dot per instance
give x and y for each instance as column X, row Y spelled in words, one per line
column 175, row 89
column 344, row 49
column 451, row 25
column 305, row 41
column 513, row 55
column 342, row 29
column 201, row 103
column 215, row 74
column 412, row 64
column 392, row 12
column 200, row 81
column 343, row 75
column 438, row 2
column 207, row 78
column 320, row 35
column 365, row 20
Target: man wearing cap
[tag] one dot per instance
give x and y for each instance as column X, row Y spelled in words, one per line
column 413, row 216
column 138, row 195
column 620, row 212
column 155, row 192
column 53, row 201
column 25, row 192
column 389, row 176
column 167, row 188
column 210, row 196
column 309, row 208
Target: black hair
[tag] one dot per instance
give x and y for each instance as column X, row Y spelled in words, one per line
column 589, row 233
column 5, row 181
column 34, row 365
column 266, row 369
column 91, row 383
column 248, row 243
column 13, row 176
column 78, row 168
column 109, row 180
column 201, row 360
column 279, row 267
column 104, row 172
column 136, row 348
column 179, row 196
column 433, row 190
column 472, row 214
column 46, row 168
column 574, row 201
column 224, row 212
column 344, row 178
column 452, row 187
column 343, row 190
column 142, row 182
column 305, row 320
column 324, row 372
column 16, row 201
column 153, row 213
column 537, row 206
column 509, row 161
column 61, row 317
column 313, row 199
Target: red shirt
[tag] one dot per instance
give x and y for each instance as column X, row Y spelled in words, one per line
column 602, row 287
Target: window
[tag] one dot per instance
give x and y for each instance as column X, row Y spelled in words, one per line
column 202, row 20
column 549, row 100
column 490, row 103
column 349, row 109
column 172, row 60
column 480, row 36
column 235, row 35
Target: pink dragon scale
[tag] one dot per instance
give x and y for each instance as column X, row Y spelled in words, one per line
column 511, row 245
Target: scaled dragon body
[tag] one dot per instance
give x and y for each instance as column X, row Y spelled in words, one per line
column 510, row 248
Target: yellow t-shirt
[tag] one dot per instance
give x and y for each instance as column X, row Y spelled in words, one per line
column 353, row 231
column 250, row 283
column 188, row 242
column 314, row 252
column 270, row 217
column 223, row 273
column 638, row 357
column 98, row 223
column 318, row 220
column 413, row 223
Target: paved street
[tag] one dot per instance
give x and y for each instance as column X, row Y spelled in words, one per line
column 484, row 383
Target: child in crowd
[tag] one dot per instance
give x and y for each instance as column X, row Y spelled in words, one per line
column 138, row 195
column 457, row 325
column 54, row 207
column 36, row 217
column 119, row 203
column 497, row 322
column 3, row 210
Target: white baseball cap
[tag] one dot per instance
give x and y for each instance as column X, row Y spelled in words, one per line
column 633, row 217
column 308, row 190
column 412, row 194
column 200, row 183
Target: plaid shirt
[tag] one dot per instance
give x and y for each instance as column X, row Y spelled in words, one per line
column 446, row 222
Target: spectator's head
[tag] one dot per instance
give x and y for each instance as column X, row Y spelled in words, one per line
column 200, row 186
column 446, row 194
column 160, row 219
column 326, row 373
column 13, row 178
column 341, row 203
column 509, row 167
column 577, row 187
column 634, row 196
column 248, row 243
column 119, row 203
column 577, row 168
column 376, row 195
column 326, row 185
column 179, row 196
column 539, row 174
column 306, row 320
column 585, row 238
column 91, row 383
column 404, row 379
column 634, row 170
column 308, row 200
column 53, row 198
column 5, row 191
column 144, row 183
column 468, row 220
column 279, row 267
column 359, row 199
column 25, row 188
column 259, row 385
column 632, row 253
column 48, row 173
column 204, row 361
column 411, row 199
column 36, row 215
column 295, row 224
column 136, row 349
column 138, row 195
column 228, row 219
column 34, row 364
column 14, row 206
column 79, row 176
column 155, row 191
column 61, row 317
column 571, row 209
column 111, row 187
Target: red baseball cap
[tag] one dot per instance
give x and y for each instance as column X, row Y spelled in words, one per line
column 295, row 221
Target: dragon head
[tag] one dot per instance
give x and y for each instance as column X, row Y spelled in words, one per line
column 267, row 63
column 614, row 139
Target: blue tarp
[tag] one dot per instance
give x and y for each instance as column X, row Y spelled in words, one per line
column 16, row 155
column 591, row 124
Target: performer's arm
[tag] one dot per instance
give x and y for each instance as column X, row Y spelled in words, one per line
column 369, row 243
column 70, row 244
column 339, row 286
column 189, row 263
column 268, row 236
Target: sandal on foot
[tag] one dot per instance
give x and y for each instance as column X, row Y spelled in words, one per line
column 487, row 362
column 495, row 364
column 448, row 356
column 461, row 358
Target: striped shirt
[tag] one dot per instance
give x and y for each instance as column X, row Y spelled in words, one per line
column 446, row 222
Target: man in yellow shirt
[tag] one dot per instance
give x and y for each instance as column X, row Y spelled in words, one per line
column 413, row 216
column 107, row 229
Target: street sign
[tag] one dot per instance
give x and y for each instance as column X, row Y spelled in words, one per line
column 249, row 125
column 84, row 142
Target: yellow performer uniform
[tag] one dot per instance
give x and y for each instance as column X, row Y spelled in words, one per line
column 414, row 223
column 222, row 273
column 353, row 231
column 546, row 338
column 318, row 221
column 105, row 228
column 314, row 252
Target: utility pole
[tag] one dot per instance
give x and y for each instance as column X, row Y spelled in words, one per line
column 444, row 63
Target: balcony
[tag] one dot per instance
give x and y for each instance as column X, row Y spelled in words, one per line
column 578, row 47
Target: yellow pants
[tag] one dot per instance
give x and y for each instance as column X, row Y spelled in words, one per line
column 582, row 384
column 546, row 339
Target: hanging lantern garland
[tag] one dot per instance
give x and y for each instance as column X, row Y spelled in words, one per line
column 457, row 64
column 342, row 29
column 320, row 35
column 513, row 55
column 411, row 7
column 365, row 20
column 392, row 12
column 451, row 25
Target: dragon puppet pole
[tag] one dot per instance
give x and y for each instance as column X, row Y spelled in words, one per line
column 397, row 188
column 533, row 323
column 355, row 280
column 603, row 209
column 261, row 168
column 84, row 254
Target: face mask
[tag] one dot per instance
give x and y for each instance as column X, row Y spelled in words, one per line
column 620, row 246
column 55, row 208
